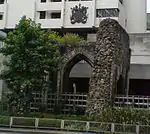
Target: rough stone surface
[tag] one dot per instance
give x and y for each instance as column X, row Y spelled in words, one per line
column 72, row 55
column 111, row 62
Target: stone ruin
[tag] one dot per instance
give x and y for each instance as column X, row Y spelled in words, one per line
column 110, row 59
column 110, row 66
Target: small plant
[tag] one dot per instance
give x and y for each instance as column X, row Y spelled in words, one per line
column 55, row 37
column 73, row 39
column 69, row 39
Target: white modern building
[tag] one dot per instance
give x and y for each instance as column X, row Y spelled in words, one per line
column 75, row 14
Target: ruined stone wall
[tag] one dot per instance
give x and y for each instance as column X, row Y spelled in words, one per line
column 111, row 60
column 71, row 51
column 71, row 55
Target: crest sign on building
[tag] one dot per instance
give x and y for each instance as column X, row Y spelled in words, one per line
column 79, row 14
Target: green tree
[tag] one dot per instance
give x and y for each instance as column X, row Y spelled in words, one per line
column 32, row 60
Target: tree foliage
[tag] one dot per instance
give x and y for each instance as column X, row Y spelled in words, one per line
column 55, row 37
column 32, row 59
column 72, row 39
column 69, row 39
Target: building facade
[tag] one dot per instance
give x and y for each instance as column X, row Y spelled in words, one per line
column 75, row 14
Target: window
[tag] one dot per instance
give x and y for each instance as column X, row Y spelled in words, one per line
column 2, row 1
column 42, row 14
column 43, row 1
column 1, row 16
column 112, row 12
column 55, row 15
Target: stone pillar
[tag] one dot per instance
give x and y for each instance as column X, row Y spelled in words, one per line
column 109, row 52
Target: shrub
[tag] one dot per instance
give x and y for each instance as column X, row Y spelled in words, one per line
column 124, row 115
column 4, row 120
column 72, row 39
column 55, row 37
column 24, row 121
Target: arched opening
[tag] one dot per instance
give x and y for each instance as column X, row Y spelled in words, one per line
column 120, row 86
column 79, row 82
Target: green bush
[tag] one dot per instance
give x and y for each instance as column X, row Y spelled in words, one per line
column 72, row 39
column 114, row 115
column 4, row 120
column 124, row 115
column 55, row 37
column 69, row 39
column 50, row 123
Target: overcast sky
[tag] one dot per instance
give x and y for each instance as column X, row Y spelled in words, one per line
column 148, row 6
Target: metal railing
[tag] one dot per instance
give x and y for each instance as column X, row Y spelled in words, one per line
column 76, row 103
column 133, row 101
column 68, row 102
column 73, row 125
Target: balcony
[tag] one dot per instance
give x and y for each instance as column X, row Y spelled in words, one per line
column 44, row 6
column 49, row 23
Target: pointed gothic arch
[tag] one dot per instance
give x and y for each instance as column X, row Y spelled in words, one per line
column 68, row 67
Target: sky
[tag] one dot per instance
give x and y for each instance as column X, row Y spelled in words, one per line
column 148, row 6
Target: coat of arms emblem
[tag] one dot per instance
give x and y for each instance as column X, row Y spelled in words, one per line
column 79, row 14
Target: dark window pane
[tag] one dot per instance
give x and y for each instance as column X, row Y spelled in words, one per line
column 2, row 1
column 1, row 17
column 42, row 14
column 43, row 1
column 55, row 15
column 112, row 12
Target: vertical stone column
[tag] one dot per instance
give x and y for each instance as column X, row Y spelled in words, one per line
column 107, row 54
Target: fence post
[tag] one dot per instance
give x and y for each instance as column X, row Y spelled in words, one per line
column 112, row 127
column 36, row 122
column 87, row 126
column 62, row 124
column 137, row 129
column 11, row 122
